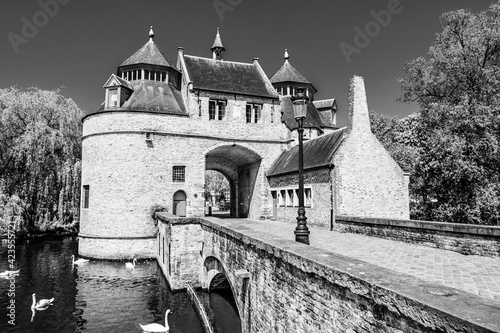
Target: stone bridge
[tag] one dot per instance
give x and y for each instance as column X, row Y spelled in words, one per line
column 280, row 285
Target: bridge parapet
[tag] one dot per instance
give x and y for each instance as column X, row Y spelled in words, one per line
column 470, row 239
column 283, row 286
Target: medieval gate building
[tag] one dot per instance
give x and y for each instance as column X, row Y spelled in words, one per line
column 162, row 125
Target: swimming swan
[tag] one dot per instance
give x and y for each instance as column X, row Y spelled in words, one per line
column 9, row 273
column 157, row 327
column 131, row 265
column 79, row 261
column 43, row 303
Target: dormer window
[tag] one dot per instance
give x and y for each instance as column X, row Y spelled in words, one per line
column 117, row 92
column 113, row 98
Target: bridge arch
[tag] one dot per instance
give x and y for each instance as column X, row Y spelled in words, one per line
column 239, row 164
column 215, row 276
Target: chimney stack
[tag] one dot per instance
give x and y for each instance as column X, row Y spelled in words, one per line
column 358, row 119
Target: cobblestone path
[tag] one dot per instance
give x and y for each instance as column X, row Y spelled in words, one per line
column 470, row 273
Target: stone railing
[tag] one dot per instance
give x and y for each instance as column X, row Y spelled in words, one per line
column 463, row 238
column 280, row 285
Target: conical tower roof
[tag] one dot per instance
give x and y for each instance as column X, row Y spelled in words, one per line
column 218, row 42
column 288, row 73
column 150, row 53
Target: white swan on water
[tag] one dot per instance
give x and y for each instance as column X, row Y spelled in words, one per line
column 43, row 303
column 79, row 261
column 157, row 328
column 9, row 273
column 131, row 264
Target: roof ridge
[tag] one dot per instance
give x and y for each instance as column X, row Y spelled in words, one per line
column 221, row 61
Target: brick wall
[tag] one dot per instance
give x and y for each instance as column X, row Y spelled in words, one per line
column 320, row 211
column 285, row 286
column 463, row 238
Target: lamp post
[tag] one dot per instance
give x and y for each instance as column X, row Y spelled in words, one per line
column 300, row 111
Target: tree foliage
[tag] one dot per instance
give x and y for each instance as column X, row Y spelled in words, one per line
column 397, row 138
column 11, row 209
column 457, row 87
column 215, row 183
column 40, row 155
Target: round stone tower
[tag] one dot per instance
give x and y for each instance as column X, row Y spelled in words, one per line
column 120, row 174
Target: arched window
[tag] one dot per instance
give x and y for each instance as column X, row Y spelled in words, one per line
column 179, row 207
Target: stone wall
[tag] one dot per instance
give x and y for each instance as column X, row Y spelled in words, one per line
column 127, row 174
column 463, row 238
column 368, row 182
column 180, row 260
column 115, row 248
column 284, row 286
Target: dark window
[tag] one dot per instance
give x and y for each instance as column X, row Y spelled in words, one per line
column 179, row 174
column 211, row 110
column 221, row 106
column 217, row 110
column 86, row 190
column 307, row 197
column 254, row 113
column 249, row 113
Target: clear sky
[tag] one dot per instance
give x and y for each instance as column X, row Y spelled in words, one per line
column 78, row 44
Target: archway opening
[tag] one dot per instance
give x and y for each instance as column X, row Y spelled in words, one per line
column 223, row 305
column 221, row 298
column 217, row 194
column 240, row 165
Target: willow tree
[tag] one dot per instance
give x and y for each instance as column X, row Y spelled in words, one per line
column 457, row 88
column 40, row 155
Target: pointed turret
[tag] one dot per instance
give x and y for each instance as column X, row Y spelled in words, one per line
column 287, row 79
column 151, row 33
column 150, row 53
column 217, row 47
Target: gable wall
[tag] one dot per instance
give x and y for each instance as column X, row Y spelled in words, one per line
column 368, row 182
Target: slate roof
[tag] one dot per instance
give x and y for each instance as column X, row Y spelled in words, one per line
column 317, row 153
column 325, row 104
column 148, row 54
column 313, row 118
column 151, row 96
column 288, row 73
column 121, row 81
column 228, row 76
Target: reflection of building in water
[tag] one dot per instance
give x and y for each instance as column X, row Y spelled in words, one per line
column 108, row 293
column 162, row 124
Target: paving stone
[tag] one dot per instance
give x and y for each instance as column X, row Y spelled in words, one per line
column 470, row 273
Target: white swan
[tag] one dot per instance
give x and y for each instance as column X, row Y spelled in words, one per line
column 9, row 273
column 79, row 261
column 130, row 265
column 41, row 304
column 157, row 327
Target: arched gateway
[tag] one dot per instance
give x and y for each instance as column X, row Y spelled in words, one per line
column 240, row 165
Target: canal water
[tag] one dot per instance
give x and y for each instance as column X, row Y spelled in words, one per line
column 100, row 296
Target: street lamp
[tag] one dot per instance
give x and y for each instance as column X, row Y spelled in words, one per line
column 300, row 110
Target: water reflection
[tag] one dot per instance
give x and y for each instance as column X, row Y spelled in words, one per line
column 222, row 302
column 99, row 296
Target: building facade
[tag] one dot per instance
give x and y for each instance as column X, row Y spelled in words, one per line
column 162, row 125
